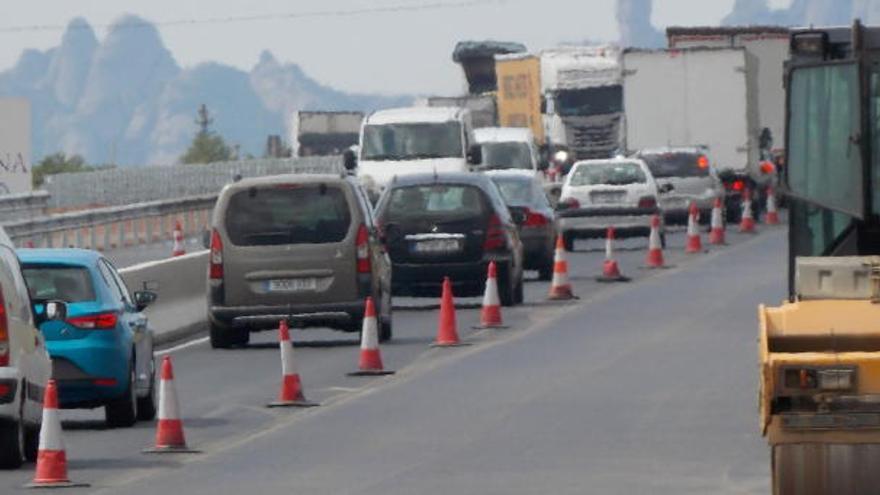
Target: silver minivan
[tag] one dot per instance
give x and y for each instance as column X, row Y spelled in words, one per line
column 304, row 248
column 684, row 174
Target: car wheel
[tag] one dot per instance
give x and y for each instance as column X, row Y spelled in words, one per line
column 545, row 273
column 385, row 326
column 31, row 442
column 663, row 240
column 385, row 331
column 146, row 406
column 568, row 242
column 223, row 337
column 12, row 445
column 506, row 288
column 520, row 295
column 122, row 412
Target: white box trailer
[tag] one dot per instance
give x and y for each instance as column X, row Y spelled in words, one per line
column 769, row 45
column 317, row 133
column 15, row 146
column 695, row 96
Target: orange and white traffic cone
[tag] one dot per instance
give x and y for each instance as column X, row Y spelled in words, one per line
column 291, row 393
column 51, row 456
column 654, row 259
column 490, row 314
column 370, row 362
column 169, row 430
column 716, row 234
column 772, row 210
column 179, row 249
column 747, row 222
column 610, row 268
column 694, row 243
column 560, row 287
column 447, row 328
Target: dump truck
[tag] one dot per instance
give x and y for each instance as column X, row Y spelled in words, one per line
column 819, row 352
column 325, row 133
column 519, row 93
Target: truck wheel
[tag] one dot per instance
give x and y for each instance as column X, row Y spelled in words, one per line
column 122, row 412
column 223, row 337
column 12, row 446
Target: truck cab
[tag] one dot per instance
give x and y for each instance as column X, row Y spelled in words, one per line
column 413, row 140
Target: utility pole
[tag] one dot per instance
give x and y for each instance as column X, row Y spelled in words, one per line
column 204, row 120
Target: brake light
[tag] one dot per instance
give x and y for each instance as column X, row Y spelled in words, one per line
column 767, row 167
column 494, row 235
column 647, row 202
column 738, row 185
column 104, row 382
column 535, row 219
column 215, row 266
column 4, row 332
column 362, row 243
column 703, row 162
column 571, row 203
column 101, row 321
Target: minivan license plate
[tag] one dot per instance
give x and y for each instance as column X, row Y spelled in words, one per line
column 292, row 284
column 437, row 246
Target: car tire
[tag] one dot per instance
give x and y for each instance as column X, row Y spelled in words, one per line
column 506, row 288
column 663, row 240
column 545, row 273
column 122, row 412
column 146, row 406
column 31, row 442
column 12, row 445
column 520, row 295
column 386, row 331
column 568, row 241
column 223, row 337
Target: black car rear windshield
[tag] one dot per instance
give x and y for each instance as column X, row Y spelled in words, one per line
column 677, row 164
column 452, row 201
column 287, row 214
column 60, row 283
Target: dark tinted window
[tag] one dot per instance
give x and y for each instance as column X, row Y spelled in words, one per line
column 438, row 199
column 412, row 141
column 507, row 155
column 287, row 214
column 62, row 283
column 585, row 102
column 677, row 164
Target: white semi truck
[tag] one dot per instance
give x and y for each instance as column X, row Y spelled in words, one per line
column 325, row 133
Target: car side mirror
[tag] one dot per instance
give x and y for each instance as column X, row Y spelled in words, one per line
column 55, row 311
column 349, row 160
column 475, row 155
column 144, row 298
column 518, row 215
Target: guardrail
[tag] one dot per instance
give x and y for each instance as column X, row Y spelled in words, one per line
column 118, row 226
column 24, row 205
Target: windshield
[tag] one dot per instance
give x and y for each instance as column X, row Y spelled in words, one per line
column 617, row 174
column 515, row 192
column 588, row 102
column 448, row 201
column 677, row 164
column 507, row 155
column 287, row 214
column 412, row 141
column 60, row 283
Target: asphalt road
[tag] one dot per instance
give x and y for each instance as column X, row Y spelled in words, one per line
column 645, row 387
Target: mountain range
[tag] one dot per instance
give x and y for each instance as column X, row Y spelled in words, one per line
column 125, row 100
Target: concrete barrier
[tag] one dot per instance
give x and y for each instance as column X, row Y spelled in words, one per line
column 181, row 309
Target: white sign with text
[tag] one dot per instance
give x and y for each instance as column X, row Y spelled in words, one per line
column 15, row 145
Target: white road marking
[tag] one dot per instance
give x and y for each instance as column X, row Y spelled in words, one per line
column 180, row 347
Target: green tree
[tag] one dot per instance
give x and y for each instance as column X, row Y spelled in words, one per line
column 58, row 163
column 206, row 147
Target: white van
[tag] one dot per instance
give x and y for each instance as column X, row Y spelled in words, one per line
column 25, row 366
column 508, row 148
column 413, row 140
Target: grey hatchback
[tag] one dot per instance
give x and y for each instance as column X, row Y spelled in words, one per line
column 298, row 247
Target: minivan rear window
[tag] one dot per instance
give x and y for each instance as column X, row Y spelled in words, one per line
column 287, row 214
column 61, row 283
column 455, row 201
column 676, row 164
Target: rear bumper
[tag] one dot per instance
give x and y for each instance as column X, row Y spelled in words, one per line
column 426, row 279
column 339, row 315
column 76, row 364
column 593, row 222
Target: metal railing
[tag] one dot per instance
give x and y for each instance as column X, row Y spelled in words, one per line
column 25, row 205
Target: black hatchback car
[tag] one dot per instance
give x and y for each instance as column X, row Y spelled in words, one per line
column 449, row 224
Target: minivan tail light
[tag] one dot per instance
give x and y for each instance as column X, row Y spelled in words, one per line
column 216, row 257
column 101, row 321
column 4, row 332
column 648, row 202
column 535, row 219
column 494, row 235
column 362, row 243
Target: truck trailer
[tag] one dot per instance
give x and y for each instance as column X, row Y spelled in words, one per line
column 325, row 133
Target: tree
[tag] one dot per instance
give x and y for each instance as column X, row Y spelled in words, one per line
column 207, row 146
column 58, row 163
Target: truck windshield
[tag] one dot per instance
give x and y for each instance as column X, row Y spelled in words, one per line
column 507, row 155
column 587, row 102
column 412, row 141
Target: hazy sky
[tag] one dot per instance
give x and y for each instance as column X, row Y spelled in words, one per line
column 388, row 52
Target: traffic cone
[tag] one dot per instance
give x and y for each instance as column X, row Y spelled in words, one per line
column 51, row 457
column 694, row 243
column 177, row 235
column 490, row 314
column 169, row 430
column 610, row 269
column 560, row 288
column 447, row 332
column 291, row 394
column 370, row 363
column 747, row 223
column 716, row 235
column 654, row 259
column 772, row 211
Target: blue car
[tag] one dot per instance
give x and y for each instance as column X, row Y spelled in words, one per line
column 102, row 354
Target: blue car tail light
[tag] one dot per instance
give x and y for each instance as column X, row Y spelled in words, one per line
column 100, row 321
